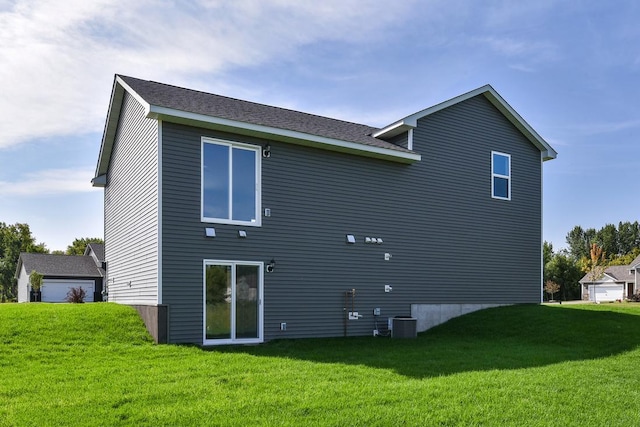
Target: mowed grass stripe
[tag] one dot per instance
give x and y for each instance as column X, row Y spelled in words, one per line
column 94, row 364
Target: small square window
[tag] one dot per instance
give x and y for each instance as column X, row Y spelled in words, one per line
column 500, row 175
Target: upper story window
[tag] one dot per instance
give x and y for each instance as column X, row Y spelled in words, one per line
column 230, row 182
column 500, row 176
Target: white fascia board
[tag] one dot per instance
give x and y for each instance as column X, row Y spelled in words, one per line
column 494, row 97
column 163, row 113
column 395, row 129
column 18, row 268
column 111, row 125
column 490, row 93
column 133, row 93
column 99, row 181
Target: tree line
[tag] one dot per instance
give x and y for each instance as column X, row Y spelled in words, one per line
column 619, row 245
column 17, row 238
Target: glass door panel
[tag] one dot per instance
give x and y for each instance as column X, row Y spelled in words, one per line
column 246, row 303
column 233, row 307
column 218, row 302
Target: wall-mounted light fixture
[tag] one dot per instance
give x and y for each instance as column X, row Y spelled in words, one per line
column 271, row 265
column 266, row 151
column 351, row 239
column 242, row 234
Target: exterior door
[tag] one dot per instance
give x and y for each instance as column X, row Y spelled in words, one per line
column 232, row 302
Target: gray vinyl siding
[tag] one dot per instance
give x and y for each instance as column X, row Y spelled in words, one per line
column 450, row 241
column 131, row 209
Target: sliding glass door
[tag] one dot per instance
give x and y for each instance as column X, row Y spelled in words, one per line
column 232, row 302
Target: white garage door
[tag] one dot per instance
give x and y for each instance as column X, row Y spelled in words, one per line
column 608, row 292
column 55, row 290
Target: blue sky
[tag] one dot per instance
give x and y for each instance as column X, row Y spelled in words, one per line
column 570, row 68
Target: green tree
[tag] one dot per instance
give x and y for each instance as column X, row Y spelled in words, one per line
column 625, row 259
column 14, row 239
column 607, row 239
column 628, row 236
column 79, row 245
column 579, row 241
column 564, row 270
column 547, row 252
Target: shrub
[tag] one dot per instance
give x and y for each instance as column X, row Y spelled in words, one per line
column 635, row 297
column 76, row 295
column 35, row 280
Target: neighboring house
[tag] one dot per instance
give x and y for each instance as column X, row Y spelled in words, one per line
column 228, row 221
column 61, row 273
column 617, row 283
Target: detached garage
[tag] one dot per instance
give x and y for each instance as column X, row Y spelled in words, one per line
column 606, row 292
column 61, row 273
column 55, row 290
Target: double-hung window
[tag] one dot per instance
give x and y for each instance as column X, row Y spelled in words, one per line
column 230, row 182
column 500, row 175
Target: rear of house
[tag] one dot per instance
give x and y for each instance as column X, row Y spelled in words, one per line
column 234, row 222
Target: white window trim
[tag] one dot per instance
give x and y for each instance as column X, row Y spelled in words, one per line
column 258, row 189
column 233, row 340
column 497, row 175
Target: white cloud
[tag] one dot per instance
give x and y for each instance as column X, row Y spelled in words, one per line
column 49, row 182
column 58, row 58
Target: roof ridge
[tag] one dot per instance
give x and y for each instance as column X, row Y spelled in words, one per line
column 40, row 253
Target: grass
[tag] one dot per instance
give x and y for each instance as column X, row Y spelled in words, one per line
column 94, row 364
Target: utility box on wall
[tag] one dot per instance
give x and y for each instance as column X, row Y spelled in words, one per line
column 404, row 327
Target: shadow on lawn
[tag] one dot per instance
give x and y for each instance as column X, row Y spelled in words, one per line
column 501, row 338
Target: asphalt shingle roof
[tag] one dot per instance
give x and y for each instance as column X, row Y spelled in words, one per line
column 192, row 101
column 60, row 265
column 98, row 249
column 618, row 272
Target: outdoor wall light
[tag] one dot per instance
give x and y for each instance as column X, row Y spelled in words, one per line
column 266, row 151
column 271, row 266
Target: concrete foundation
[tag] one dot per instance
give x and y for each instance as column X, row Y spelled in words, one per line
column 430, row 315
column 155, row 319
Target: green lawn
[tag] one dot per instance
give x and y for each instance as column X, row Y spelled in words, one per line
column 94, row 364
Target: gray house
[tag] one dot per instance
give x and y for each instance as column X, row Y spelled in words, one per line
column 616, row 284
column 61, row 273
column 228, row 221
